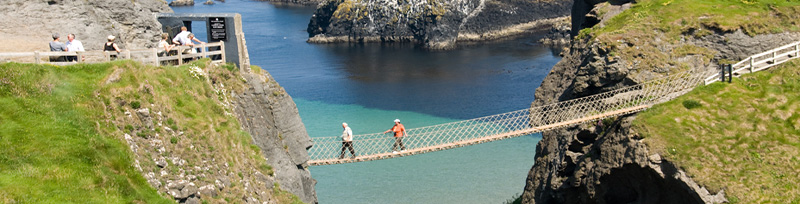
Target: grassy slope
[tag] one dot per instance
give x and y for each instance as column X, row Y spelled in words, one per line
column 63, row 128
column 630, row 34
column 744, row 138
column 52, row 150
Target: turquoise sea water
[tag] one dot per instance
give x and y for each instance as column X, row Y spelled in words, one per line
column 486, row 173
column 369, row 85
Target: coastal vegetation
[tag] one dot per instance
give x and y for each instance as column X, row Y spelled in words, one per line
column 87, row 133
column 741, row 137
column 631, row 33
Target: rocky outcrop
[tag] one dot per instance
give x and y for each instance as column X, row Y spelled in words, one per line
column 132, row 22
column 272, row 118
column 295, row 2
column 182, row 3
column 559, row 34
column 606, row 162
column 437, row 24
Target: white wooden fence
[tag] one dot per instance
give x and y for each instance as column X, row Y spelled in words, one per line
column 149, row 56
column 762, row 61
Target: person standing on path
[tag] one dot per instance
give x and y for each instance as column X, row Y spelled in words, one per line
column 399, row 132
column 347, row 142
column 73, row 45
column 57, row 46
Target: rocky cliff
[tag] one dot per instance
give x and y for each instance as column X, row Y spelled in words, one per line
column 212, row 133
column 270, row 115
column 606, row 162
column 23, row 22
column 436, row 24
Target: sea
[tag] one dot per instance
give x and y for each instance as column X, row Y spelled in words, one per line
column 369, row 85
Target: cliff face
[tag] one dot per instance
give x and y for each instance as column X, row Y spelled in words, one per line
column 437, row 24
column 132, row 22
column 272, row 118
column 607, row 162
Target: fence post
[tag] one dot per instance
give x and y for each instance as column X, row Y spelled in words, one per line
column 203, row 47
column 180, row 55
column 80, row 56
column 730, row 73
column 773, row 58
column 722, row 72
column 155, row 57
column 36, row 57
column 107, row 56
column 751, row 64
column 128, row 54
column 222, row 48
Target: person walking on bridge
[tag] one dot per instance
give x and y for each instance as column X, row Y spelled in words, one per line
column 399, row 132
column 347, row 142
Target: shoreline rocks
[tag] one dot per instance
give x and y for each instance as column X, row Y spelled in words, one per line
column 182, row 3
column 433, row 24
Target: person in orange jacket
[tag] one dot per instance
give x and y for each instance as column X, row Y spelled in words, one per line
column 399, row 131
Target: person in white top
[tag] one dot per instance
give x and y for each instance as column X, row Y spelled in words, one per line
column 347, row 142
column 73, row 45
column 164, row 45
column 185, row 37
column 181, row 38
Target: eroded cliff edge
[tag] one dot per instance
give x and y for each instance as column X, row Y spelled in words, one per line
column 436, row 24
column 608, row 162
column 271, row 116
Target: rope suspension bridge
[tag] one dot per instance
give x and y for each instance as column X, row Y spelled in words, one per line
column 376, row 146
column 506, row 125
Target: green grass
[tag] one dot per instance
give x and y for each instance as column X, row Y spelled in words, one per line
column 61, row 130
column 53, row 150
column 630, row 35
column 742, row 137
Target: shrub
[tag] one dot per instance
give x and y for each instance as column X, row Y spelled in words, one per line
column 142, row 134
column 129, row 128
column 136, row 105
column 690, row 104
column 173, row 140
